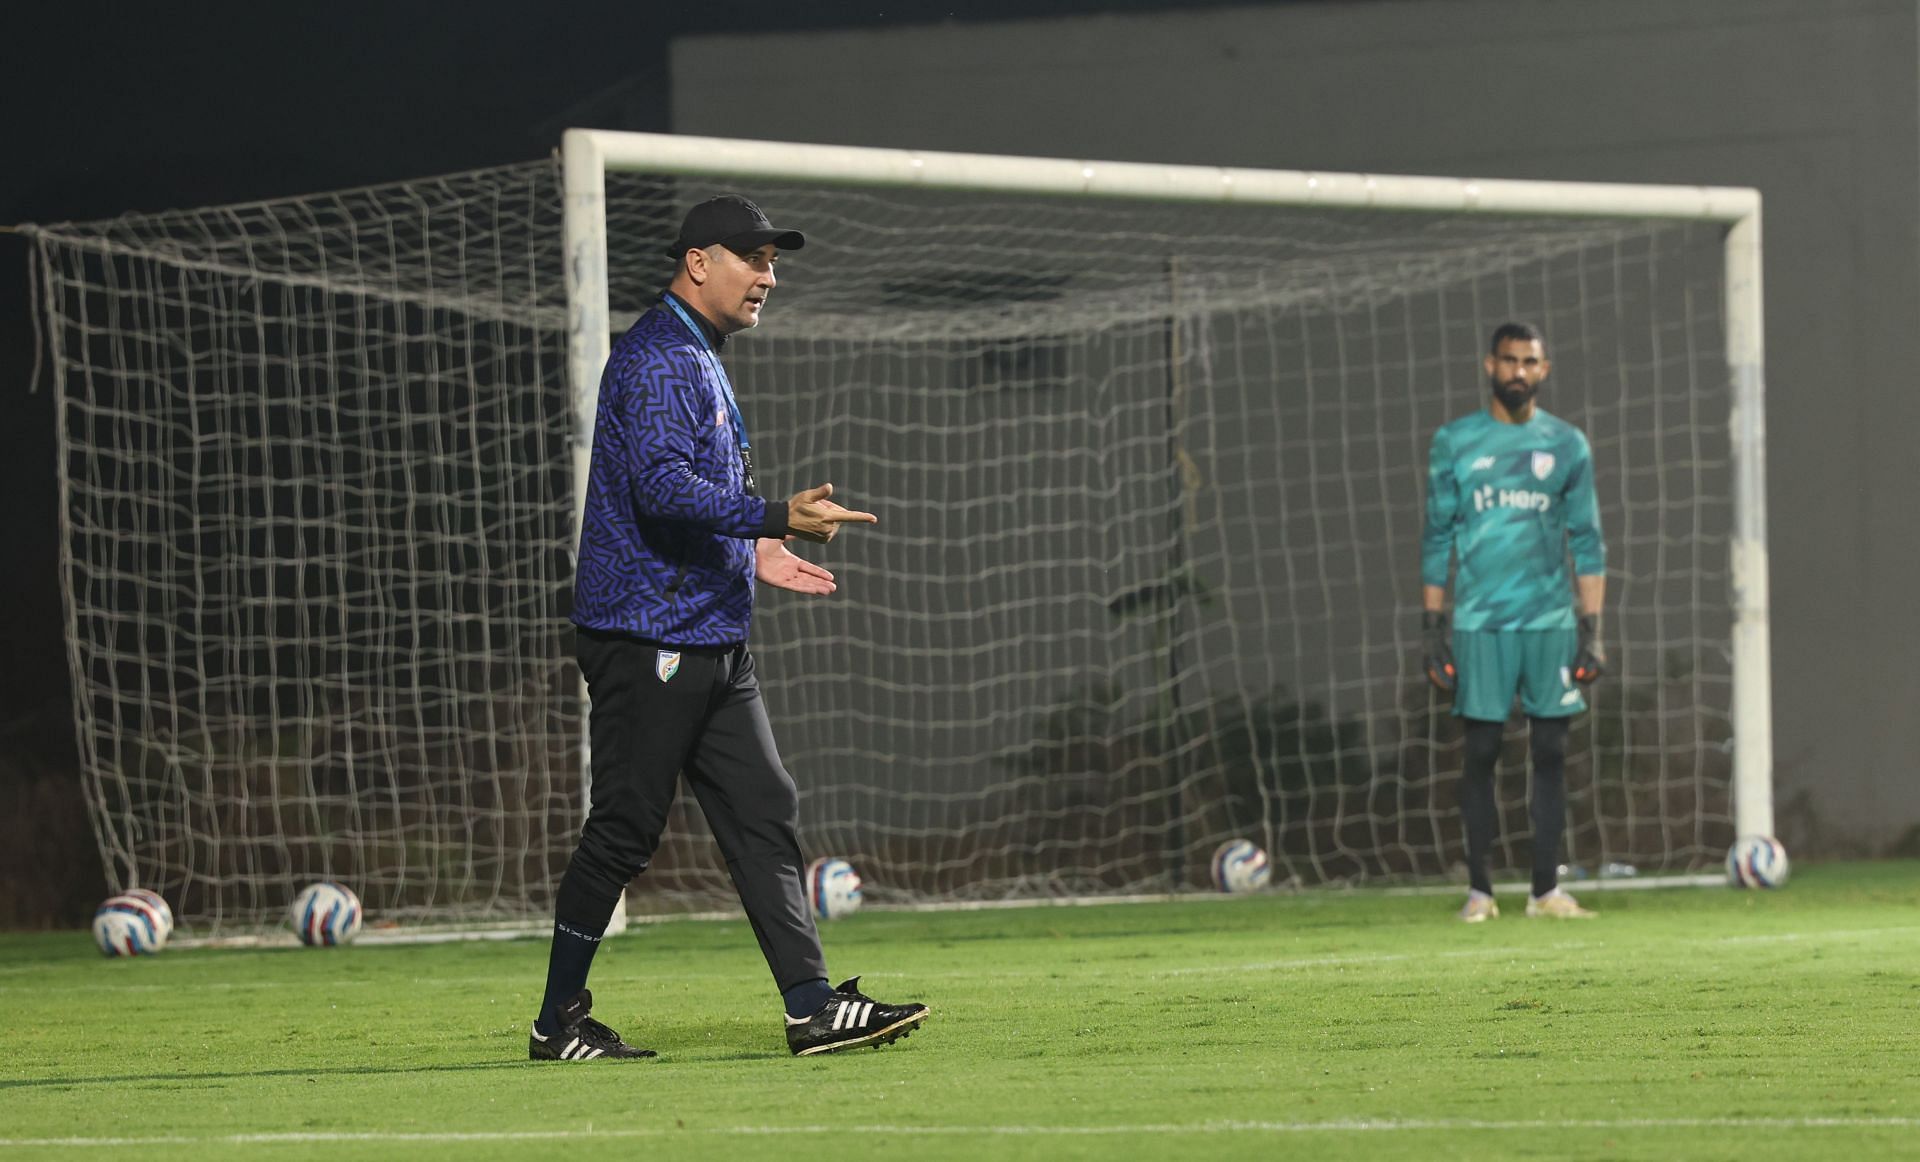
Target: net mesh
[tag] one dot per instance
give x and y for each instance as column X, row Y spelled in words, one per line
column 1146, row 578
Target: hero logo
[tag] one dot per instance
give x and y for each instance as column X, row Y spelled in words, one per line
column 1487, row 496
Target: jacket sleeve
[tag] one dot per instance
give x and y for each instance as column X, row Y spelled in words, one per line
column 1583, row 515
column 658, row 404
column 1443, row 510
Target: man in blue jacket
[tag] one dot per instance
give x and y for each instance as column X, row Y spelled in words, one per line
column 671, row 543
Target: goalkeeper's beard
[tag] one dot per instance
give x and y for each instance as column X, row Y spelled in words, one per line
column 1514, row 396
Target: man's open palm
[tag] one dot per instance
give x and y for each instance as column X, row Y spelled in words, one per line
column 782, row 570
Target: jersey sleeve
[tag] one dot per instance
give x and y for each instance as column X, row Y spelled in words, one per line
column 656, row 410
column 1443, row 511
column 1584, row 539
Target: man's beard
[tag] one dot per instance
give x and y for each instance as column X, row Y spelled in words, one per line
column 1514, row 396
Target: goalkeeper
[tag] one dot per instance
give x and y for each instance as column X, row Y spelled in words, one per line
column 1510, row 491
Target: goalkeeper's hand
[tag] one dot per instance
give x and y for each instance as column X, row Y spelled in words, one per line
column 1439, row 651
column 1591, row 660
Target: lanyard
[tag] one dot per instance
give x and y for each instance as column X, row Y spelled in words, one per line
column 713, row 362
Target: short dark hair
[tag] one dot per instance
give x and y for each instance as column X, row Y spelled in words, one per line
column 1525, row 332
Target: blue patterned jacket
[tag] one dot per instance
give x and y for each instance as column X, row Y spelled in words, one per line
column 666, row 542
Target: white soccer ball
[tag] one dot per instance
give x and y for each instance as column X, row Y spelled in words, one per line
column 1757, row 861
column 325, row 914
column 833, row 888
column 130, row 925
column 155, row 901
column 1239, row 865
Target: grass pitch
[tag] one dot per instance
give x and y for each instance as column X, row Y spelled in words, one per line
column 1686, row 1023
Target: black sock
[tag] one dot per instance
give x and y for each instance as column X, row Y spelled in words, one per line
column 579, row 921
column 1548, row 743
column 805, row 998
column 1481, row 754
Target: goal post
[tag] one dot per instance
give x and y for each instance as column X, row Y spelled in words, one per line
column 1147, row 446
column 590, row 154
column 1752, row 640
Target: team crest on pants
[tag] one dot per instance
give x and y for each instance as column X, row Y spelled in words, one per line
column 666, row 663
column 1542, row 465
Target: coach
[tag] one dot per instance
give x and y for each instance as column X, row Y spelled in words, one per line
column 671, row 543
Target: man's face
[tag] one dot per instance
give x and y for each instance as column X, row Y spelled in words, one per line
column 736, row 286
column 1514, row 372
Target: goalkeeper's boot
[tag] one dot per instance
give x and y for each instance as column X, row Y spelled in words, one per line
column 581, row 1038
column 1478, row 908
column 849, row 1020
column 1558, row 905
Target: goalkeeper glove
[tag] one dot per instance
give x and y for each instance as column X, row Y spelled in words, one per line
column 1439, row 651
column 1591, row 661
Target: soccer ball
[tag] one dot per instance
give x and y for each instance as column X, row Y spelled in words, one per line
column 132, row 923
column 325, row 914
column 157, row 903
column 1757, row 861
column 1240, row 866
column 833, row 888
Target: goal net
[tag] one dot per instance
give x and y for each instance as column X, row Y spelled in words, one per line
column 1149, row 471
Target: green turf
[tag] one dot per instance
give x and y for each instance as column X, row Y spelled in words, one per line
column 1686, row 1023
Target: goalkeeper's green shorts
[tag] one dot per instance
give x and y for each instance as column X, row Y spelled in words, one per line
column 1496, row 664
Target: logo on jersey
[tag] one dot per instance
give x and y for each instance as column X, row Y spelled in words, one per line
column 1482, row 464
column 666, row 664
column 1487, row 496
column 720, row 417
column 1542, row 465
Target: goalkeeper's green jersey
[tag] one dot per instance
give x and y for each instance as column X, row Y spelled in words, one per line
column 1511, row 499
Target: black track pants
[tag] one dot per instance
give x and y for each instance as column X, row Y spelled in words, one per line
column 705, row 719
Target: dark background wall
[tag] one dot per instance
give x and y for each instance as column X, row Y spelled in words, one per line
column 1814, row 104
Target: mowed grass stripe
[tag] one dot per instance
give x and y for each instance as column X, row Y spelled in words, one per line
column 775, row 1131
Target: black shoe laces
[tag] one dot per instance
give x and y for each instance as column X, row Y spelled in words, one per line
column 596, row 1034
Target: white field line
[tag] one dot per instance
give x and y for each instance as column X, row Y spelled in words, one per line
column 515, row 930
column 1131, row 969
column 1582, row 887
column 1351, row 1126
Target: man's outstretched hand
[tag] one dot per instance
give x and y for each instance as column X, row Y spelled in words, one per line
column 813, row 516
column 782, row 570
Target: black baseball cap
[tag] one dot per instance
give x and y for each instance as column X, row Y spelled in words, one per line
column 734, row 222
